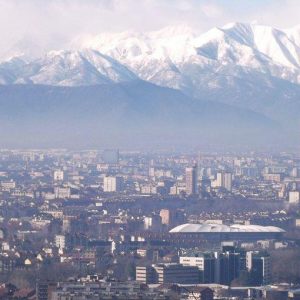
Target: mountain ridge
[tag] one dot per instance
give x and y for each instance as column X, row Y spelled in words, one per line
column 129, row 113
column 252, row 46
column 251, row 67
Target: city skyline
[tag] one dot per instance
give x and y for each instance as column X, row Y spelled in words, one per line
column 149, row 149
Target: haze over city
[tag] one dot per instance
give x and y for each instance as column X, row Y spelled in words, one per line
column 149, row 149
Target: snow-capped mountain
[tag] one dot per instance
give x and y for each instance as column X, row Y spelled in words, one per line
column 66, row 68
column 251, row 46
column 171, row 57
column 246, row 65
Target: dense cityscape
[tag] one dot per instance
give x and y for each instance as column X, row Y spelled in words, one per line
column 149, row 150
column 116, row 224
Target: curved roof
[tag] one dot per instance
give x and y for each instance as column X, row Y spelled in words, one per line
column 194, row 228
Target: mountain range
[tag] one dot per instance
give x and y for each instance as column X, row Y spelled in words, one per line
column 244, row 76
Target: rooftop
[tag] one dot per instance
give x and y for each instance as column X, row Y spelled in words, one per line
column 194, row 228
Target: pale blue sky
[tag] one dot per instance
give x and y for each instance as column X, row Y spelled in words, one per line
column 53, row 23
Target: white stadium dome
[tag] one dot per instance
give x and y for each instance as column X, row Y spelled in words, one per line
column 210, row 228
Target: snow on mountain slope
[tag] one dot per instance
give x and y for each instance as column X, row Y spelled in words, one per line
column 245, row 65
column 69, row 68
column 180, row 44
column 252, row 54
column 294, row 34
column 273, row 43
column 10, row 69
column 151, row 56
column 164, row 57
column 174, row 43
column 173, row 57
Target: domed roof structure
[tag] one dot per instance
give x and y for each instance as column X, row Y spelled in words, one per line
column 217, row 228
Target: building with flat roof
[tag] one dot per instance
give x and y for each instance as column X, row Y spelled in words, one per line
column 205, row 262
column 224, row 180
column 113, row 184
column 145, row 274
column 259, row 265
column 168, row 273
column 176, row 273
column 191, row 180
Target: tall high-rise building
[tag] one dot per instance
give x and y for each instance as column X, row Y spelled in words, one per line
column 224, row 179
column 228, row 181
column 219, row 181
column 227, row 266
column 259, row 266
column 113, row 184
column 191, row 180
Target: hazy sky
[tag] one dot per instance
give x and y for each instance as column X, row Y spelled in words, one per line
column 52, row 24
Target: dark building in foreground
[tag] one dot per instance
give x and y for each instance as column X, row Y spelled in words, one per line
column 205, row 262
column 228, row 266
column 259, row 266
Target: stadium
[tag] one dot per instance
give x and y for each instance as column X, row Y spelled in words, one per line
column 227, row 232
